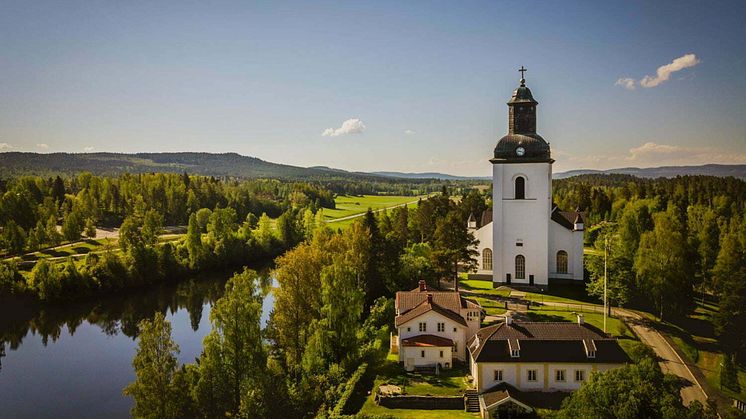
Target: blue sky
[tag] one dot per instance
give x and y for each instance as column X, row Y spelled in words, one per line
column 423, row 83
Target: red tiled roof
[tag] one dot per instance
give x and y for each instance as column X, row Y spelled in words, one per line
column 425, row 307
column 427, row 340
column 449, row 300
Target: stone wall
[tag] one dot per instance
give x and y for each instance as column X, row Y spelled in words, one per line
column 422, row 402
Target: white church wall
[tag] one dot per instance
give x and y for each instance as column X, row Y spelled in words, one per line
column 524, row 221
column 484, row 235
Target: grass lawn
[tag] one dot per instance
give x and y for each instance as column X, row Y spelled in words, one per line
column 350, row 205
column 491, row 307
column 78, row 248
column 481, row 286
column 448, row 383
column 572, row 294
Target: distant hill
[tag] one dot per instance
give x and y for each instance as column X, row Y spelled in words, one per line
column 208, row 164
column 427, row 175
column 720, row 170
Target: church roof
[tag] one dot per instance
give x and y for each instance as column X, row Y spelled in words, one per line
column 486, row 217
column 566, row 218
column 534, row 146
column 545, row 342
column 522, row 95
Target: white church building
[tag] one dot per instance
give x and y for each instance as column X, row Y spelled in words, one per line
column 525, row 239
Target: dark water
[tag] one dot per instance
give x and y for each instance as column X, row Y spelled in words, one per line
column 73, row 361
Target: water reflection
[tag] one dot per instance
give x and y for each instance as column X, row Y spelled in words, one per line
column 74, row 359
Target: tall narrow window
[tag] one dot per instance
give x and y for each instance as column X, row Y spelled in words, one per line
column 487, row 259
column 520, row 188
column 561, row 262
column 520, row 267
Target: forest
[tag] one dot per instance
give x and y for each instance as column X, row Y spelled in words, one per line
column 669, row 241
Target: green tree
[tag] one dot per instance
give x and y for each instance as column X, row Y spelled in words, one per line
column 72, row 226
column 234, row 358
column 156, row 389
column 633, row 391
column 454, row 245
column 662, row 266
column 193, row 242
column 14, row 237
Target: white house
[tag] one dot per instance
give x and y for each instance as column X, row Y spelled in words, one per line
column 526, row 239
column 433, row 327
column 514, row 362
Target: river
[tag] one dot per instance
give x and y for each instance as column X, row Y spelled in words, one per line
column 73, row 360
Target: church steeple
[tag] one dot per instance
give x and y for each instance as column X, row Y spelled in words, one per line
column 522, row 109
column 522, row 144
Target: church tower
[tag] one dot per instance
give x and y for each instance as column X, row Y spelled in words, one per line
column 522, row 197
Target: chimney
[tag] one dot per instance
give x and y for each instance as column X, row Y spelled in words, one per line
column 508, row 317
column 581, row 318
column 429, row 298
column 423, row 286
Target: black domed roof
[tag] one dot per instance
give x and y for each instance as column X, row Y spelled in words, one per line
column 534, row 148
column 522, row 94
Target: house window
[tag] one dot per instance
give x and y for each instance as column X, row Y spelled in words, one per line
column 559, row 375
column 454, row 329
column 441, row 327
column 515, row 353
column 531, row 375
column 561, row 262
column 520, row 267
column 422, row 353
column 423, row 327
column 487, row 259
column 455, row 346
column 520, row 188
column 498, row 375
column 441, row 354
column 579, row 375
column 409, row 329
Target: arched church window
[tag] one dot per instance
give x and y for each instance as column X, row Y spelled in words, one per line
column 520, row 188
column 487, row 259
column 520, row 267
column 561, row 262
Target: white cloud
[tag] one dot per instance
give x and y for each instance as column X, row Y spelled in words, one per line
column 350, row 126
column 5, row 146
column 42, row 146
column 409, row 132
column 626, row 82
column 664, row 72
column 87, row 149
column 661, row 75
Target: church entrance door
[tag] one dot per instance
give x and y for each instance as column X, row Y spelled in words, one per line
column 530, row 280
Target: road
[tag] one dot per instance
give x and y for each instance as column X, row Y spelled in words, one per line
column 668, row 359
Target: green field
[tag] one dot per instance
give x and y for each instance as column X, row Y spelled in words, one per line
column 348, row 205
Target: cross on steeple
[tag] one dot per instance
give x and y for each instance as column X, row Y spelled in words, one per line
column 522, row 70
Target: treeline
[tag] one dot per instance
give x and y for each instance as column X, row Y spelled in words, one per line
column 37, row 212
column 332, row 314
column 215, row 239
column 670, row 242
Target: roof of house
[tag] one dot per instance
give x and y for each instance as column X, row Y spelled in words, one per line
column 425, row 307
column 427, row 340
column 449, row 300
column 411, row 304
column 545, row 342
column 501, row 393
